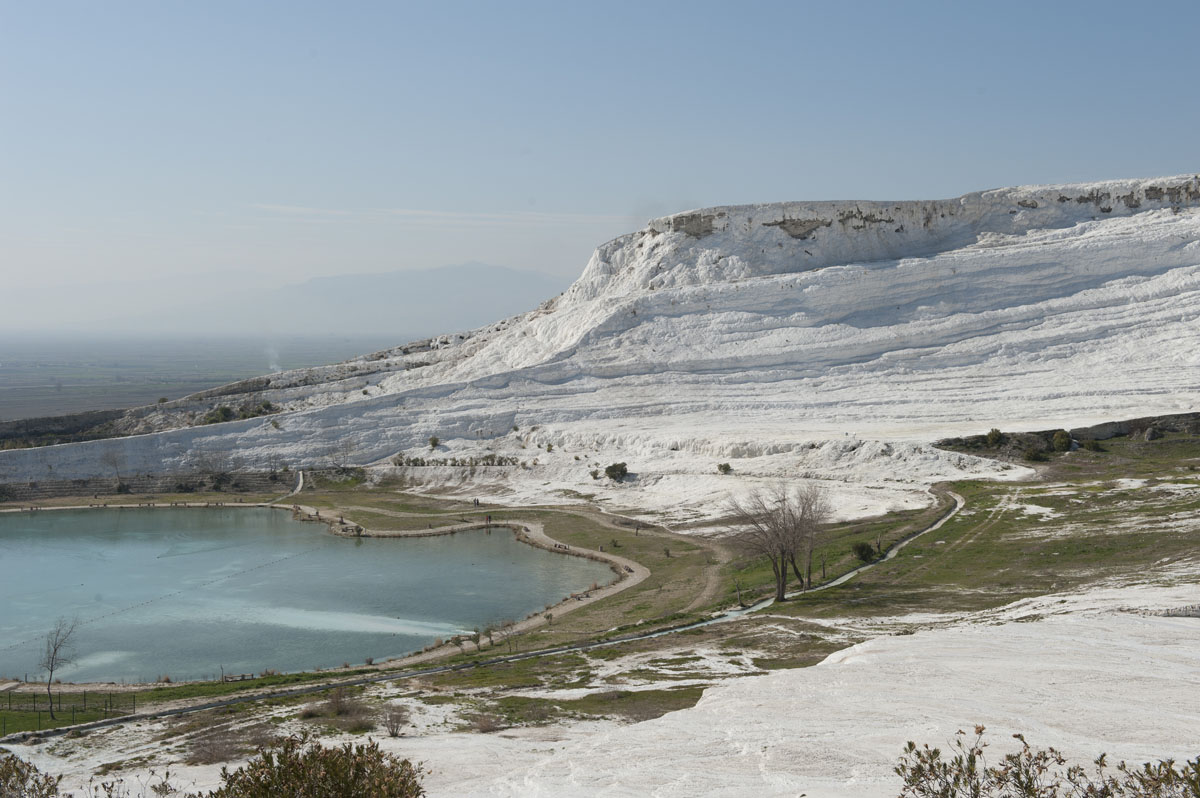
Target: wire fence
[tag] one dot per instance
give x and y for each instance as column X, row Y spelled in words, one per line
column 31, row 711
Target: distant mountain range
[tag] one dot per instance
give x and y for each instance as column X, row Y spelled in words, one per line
column 402, row 304
column 417, row 303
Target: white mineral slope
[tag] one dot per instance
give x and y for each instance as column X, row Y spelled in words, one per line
column 790, row 339
column 1089, row 677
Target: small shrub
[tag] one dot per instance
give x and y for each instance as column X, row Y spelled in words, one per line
column 19, row 778
column 549, row 447
column 1035, row 455
column 300, row 766
column 341, row 703
column 1035, row 773
column 162, row 400
column 218, row 415
column 395, row 718
column 994, row 437
column 864, row 551
column 595, row 472
column 220, row 745
column 616, row 472
column 724, row 468
column 1092, row 445
column 486, row 723
column 1061, row 441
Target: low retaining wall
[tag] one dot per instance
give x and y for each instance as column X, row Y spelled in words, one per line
column 142, row 484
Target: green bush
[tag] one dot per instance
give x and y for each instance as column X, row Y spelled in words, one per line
column 994, row 437
column 864, row 551
column 724, row 468
column 1035, row 773
column 616, row 472
column 254, row 411
column 219, row 414
column 434, row 441
column 19, row 778
column 1061, row 441
column 1035, row 455
column 1092, row 445
column 297, row 766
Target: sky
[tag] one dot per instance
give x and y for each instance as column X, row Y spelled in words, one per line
column 245, row 145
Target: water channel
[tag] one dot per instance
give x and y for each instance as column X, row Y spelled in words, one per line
column 187, row 593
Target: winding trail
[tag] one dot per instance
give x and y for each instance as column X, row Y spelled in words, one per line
column 959, row 503
column 727, row 616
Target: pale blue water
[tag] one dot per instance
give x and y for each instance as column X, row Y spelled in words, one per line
column 184, row 592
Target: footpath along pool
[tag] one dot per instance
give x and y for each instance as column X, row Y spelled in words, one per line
column 189, row 593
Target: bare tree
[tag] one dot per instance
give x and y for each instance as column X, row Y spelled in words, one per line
column 812, row 511
column 113, row 459
column 214, row 463
column 343, row 454
column 59, row 653
column 780, row 525
column 762, row 529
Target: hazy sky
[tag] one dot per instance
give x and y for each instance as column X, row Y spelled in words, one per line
column 283, row 140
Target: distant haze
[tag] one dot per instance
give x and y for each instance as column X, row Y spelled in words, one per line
column 400, row 305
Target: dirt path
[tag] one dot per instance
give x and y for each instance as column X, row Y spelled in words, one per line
column 182, row 707
column 630, row 572
column 712, row 571
column 974, row 532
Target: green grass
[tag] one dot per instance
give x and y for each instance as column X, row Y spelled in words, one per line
column 632, row 705
column 994, row 553
column 834, row 548
column 29, row 711
column 559, row 670
column 160, row 695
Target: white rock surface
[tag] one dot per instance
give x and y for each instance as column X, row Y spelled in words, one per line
column 827, row 340
column 1089, row 678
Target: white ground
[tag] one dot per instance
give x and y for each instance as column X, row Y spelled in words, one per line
column 1087, row 673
